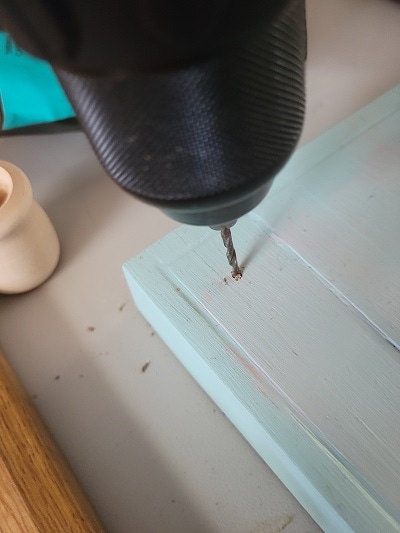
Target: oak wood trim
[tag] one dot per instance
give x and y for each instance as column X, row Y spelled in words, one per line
column 38, row 491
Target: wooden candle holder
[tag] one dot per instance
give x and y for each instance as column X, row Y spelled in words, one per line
column 29, row 246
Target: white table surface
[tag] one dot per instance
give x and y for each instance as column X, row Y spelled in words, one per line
column 152, row 451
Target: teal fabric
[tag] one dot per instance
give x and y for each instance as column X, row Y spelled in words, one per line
column 29, row 90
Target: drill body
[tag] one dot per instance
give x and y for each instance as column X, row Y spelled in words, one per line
column 191, row 106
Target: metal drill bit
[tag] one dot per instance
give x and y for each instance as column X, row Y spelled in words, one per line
column 230, row 252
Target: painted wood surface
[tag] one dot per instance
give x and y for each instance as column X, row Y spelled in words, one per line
column 302, row 353
column 337, row 206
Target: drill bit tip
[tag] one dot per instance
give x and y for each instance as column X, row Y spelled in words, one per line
column 231, row 253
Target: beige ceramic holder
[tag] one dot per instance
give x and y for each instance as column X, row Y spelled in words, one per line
column 29, row 246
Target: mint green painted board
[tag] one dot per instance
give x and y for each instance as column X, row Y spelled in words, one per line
column 302, row 353
column 347, row 184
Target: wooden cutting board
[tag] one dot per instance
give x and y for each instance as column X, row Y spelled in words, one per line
column 38, row 491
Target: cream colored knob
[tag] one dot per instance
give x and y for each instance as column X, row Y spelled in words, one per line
column 29, row 246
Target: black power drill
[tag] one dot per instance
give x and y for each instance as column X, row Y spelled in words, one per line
column 191, row 105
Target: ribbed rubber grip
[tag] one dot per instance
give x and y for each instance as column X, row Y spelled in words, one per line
column 205, row 135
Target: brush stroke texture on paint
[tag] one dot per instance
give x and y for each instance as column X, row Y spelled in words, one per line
column 307, row 342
